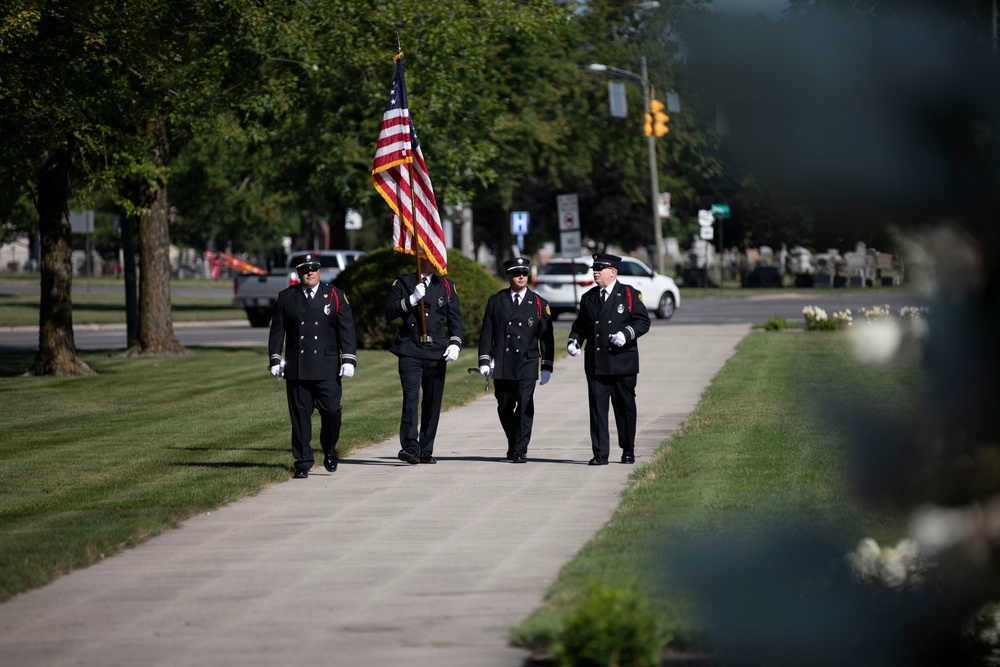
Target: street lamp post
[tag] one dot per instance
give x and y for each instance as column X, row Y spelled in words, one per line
column 654, row 184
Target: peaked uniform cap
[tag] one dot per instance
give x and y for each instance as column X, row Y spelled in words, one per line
column 310, row 262
column 517, row 263
column 603, row 260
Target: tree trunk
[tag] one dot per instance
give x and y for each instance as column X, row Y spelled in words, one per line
column 56, row 346
column 156, row 331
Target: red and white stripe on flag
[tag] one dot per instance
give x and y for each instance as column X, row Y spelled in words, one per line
column 398, row 163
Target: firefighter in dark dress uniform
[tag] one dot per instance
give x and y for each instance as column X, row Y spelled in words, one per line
column 612, row 317
column 422, row 363
column 516, row 333
column 314, row 323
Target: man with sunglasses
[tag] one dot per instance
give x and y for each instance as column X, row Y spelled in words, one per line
column 611, row 319
column 313, row 322
column 516, row 333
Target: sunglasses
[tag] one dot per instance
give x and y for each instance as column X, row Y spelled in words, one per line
column 304, row 270
column 519, row 272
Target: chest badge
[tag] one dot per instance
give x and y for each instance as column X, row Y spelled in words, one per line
column 326, row 309
column 531, row 321
column 440, row 301
column 621, row 309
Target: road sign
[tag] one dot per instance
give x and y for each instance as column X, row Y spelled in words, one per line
column 708, row 233
column 616, row 96
column 82, row 222
column 663, row 209
column 569, row 212
column 720, row 211
column 705, row 218
column 518, row 222
column 352, row 221
column 569, row 243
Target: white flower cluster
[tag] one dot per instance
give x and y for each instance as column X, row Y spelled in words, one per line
column 890, row 566
column 843, row 317
column 813, row 314
column 816, row 318
column 875, row 313
column 911, row 312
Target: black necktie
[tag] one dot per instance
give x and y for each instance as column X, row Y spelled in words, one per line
column 309, row 295
column 604, row 295
column 517, row 300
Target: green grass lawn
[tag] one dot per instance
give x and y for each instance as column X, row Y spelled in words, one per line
column 92, row 465
column 757, row 449
column 109, row 461
column 17, row 309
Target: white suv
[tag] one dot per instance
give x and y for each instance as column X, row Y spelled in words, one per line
column 331, row 263
column 563, row 281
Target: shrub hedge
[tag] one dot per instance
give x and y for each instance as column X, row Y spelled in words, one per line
column 366, row 282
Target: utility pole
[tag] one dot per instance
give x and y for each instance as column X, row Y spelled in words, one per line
column 654, row 179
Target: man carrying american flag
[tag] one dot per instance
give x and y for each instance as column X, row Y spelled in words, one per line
column 430, row 335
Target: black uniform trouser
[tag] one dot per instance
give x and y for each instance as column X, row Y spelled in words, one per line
column 304, row 396
column 516, row 408
column 416, row 375
column 620, row 389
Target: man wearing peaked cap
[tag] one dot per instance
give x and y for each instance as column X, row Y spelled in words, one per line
column 611, row 319
column 314, row 323
column 425, row 343
column 516, row 335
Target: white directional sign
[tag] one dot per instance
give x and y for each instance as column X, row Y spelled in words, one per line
column 518, row 222
column 707, row 233
column 569, row 212
column 705, row 218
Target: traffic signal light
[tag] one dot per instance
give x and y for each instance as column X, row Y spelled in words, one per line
column 656, row 120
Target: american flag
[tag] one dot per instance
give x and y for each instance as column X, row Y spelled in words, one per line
column 398, row 161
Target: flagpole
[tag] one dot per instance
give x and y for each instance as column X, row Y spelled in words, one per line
column 424, row 338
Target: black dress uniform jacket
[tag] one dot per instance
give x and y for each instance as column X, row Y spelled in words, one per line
column 622, row 311
column 515, row 337
column 318, row 333
column 443, row 315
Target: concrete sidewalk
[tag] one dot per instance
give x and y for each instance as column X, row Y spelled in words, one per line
column 379, row 563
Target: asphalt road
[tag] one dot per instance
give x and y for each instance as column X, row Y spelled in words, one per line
column 719, row 310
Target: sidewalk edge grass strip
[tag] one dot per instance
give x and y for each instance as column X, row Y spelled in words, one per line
column 757, row 448
column 93, row 465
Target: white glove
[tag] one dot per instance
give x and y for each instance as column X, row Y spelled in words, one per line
column 451, row 353
column 545, row 376
column 347, row 370
column 618, row 339
column 418, row 293
column 573, row 349
column 276, row 370
column 484, row 370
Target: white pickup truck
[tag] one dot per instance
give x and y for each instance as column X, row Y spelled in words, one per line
column 256, row 294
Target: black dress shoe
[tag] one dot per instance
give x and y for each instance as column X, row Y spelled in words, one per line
column 300, row 474
column 597, row 462
column 427, row 458
column 519, row 458
column 510, row 455
column 409, row 457
column 628, row 457
column 330, row 463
